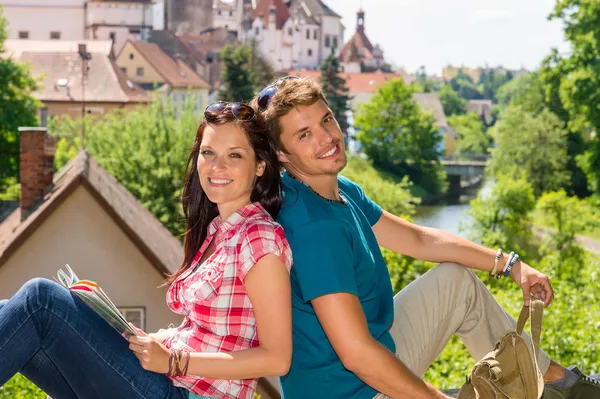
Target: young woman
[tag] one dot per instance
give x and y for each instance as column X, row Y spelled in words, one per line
column 232, row 287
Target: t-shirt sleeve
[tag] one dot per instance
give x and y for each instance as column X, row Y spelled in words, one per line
column 323, row 260
column 371, row 210
column 261, row 239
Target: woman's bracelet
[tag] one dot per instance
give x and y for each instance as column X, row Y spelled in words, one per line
column 496, row 259
column 179, row 362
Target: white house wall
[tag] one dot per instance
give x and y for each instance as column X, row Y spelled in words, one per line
column 39, row 18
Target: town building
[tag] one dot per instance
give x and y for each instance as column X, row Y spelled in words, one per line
column 65, row 89
column 359, row 54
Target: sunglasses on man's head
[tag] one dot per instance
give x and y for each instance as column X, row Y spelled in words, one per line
column 240, row 111
column 266, row 95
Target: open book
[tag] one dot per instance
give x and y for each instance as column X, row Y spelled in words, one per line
column 93, row 296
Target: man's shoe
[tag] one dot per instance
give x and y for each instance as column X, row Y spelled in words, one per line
column 585, row 388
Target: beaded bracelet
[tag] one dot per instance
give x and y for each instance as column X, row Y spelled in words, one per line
column 496, row 259
column 510, row 266
column 501, row 272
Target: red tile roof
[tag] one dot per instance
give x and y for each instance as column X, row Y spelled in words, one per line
column 175, row 72
column 365, row 82
column 359, row 47
column 281, row 12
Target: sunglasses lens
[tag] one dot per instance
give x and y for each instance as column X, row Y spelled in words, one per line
column 215, row 108
column 242, row 112
column 265, row 96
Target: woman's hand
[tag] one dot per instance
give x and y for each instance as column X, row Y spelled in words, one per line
column 153, row 355
column 532, row 282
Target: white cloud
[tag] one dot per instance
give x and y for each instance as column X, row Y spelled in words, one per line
column 488, row 15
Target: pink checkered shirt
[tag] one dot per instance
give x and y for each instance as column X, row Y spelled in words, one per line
column 213, row 299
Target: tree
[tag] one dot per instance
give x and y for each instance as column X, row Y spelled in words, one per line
column 237, row 78
column 397, row 136
column 503, row 219
column 264, row 73
column 567, row 217
column 145, row 150
column 573, row 83
column 453, row 104
column 525, row 90
column 335, row 90
column 18, row 108
column 471, row 134
column 464, row 86
column 533, row 146
column 490, row 81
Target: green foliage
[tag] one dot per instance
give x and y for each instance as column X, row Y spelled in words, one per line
column 18, row 108
column 453, row 104
column 490, row 81
column 238, row 80
column 503, row 219
column 526, row 91
column 423, row 84
column 335, row 89
column 390, row 192
column 464, row 86
column 572, row 82
column 472, row 138
column 20, row 387
column 567, row 217
column 531, row 145
column 145, row 150
column 264, row 73
column 397, row 136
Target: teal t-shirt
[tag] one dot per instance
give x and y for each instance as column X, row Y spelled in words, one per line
column 334, row 250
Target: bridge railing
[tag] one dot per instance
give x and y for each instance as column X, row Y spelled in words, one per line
column 467, row 157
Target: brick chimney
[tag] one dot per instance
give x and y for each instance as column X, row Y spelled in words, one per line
column 36, row 166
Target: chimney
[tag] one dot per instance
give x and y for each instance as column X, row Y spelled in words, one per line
column 36, row 166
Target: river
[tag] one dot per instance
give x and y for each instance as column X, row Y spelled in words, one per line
column 452, row 218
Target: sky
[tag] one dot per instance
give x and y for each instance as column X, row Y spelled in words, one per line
column 435, row 33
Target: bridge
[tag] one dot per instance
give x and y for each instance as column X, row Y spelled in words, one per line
column 463, row 168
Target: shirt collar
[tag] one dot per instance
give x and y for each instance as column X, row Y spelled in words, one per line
column 235, row 219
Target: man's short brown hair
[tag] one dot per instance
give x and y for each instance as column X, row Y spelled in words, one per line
column 290, row 94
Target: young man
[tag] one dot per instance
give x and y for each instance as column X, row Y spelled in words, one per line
column 352, row 338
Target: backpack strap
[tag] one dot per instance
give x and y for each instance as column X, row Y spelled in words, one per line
column 536, row 310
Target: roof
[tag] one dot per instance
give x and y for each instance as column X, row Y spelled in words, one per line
column 16, row 47
column 200, row 45
column 430, row 102
column 323, row 8
column 363, row 82
column 223, row 5
column 105, row 82
column 482, row 108
column 175, row 72
column 282, row 13
column 359, row 47
column 161, row 248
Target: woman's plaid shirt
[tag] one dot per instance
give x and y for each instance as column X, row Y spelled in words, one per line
column 213, row 299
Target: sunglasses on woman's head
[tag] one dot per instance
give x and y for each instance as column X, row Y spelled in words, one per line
column 266, row 95
column 241, row 111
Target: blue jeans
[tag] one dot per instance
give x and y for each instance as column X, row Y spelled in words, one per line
column 66, row 349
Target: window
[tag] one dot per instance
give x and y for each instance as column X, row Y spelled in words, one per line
column 315, row 35
column 135, row 315
column 219, row 12
column 309, row 52
column 124, row 70
column 327, row 41
column 308, row 34
column 131, row 56
column 44, row 117
column 112, row 36
column 257, row 31
column 139, row 71
column 54, row 35
column 290, row 31
column 335, row 42
column 230, row 13
column 23, row 34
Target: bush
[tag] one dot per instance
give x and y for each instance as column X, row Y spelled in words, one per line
column 20, row 387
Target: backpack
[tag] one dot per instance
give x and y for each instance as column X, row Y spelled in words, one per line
column 510, row 371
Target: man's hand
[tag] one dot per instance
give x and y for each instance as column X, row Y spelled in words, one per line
column 153, row 355
column 532, row 282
